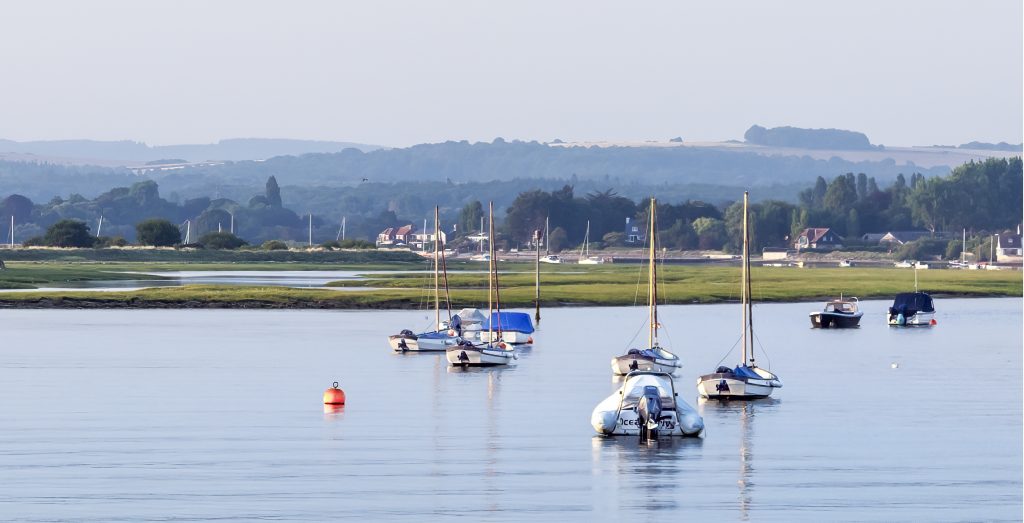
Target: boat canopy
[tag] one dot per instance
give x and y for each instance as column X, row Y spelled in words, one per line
column 510, row 321
column 913, row 302
column 470, row 316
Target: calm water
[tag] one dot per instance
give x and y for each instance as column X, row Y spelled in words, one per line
column 201, row 415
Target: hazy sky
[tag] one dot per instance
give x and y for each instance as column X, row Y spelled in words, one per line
column 399, row 73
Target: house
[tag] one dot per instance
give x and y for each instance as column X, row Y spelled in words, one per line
column 396, row 236
column 1008, row 246
column 818, row 238
column 633, row 232
column 872, row 238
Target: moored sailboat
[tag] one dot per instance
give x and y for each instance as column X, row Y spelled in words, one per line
column 654, row 357
column 442, row 336
column 746, row 380
column 491, row 351
column 585, row 258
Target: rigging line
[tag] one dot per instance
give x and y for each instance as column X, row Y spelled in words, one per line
column 640, row 272
column 638, row 331
column 735, row 343
column 763, row 352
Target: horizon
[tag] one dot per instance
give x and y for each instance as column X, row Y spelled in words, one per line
column 587, row 72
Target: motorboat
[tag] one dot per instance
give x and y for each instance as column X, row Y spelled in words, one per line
column 646, row 405
column 480, row 257
column 445, row 334
column 745, row 381
column 904, row 264
column 846, row 263
column 912, row 309
column 585, row 258
column 551, row 258
column 653, row 358
column 838, row 314
column 491, row 351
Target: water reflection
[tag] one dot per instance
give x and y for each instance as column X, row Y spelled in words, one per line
column 646, row 475
column 745, row 411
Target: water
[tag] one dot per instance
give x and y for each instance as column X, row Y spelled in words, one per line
column 200, row 415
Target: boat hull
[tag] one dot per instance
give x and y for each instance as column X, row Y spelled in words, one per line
column 729, row 386
column 401, row 343
column 824, row 320
column 465, row 356
column 921, row 319
column 513, row 337
column 616, row 415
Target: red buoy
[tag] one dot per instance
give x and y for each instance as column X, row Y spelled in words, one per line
column 529, row 340
column 934, row 322
column 334, row 395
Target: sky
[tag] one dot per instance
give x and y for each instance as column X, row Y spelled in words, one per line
column 400, row 73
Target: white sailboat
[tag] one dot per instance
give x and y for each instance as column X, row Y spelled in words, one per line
column 654, row 358
column 585, row 258
column 746, row 380
column 489, row 352
column 442, row 337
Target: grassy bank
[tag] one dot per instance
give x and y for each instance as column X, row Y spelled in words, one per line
column 206, row 256
column 609, row 285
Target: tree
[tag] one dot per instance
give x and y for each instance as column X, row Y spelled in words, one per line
column 273, row 193
column 15, row 205
column 469, row 217
column 221, row 240
column 853, row 224
column 69, row 233
column 841, row 195
column 558, row 240
column 862, row 186
column 711, row 233
column 157, row 232
column 274, row 245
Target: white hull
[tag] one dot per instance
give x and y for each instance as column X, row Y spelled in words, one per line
column 716, row 386
column 622, row 366
column 921, row 319
column 513, row 337
column 397, row 345
column 616, row 415
column 422, row 344
column 481, row 356
column 590, row 261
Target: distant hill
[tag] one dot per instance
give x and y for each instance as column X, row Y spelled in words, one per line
column 129, row 152
column 836, row 139
column 984, row 146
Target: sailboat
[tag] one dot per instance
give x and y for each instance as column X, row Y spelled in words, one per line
column 491, row 351
column 746, row 380
column 585, row 258
column 445, row 334
column 654, row 358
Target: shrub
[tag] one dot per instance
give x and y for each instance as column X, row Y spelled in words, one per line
column 221, row 240
column 157, row 232
column 69, row 233
column 274, row 245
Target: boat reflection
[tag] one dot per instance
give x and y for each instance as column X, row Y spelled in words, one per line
column 746, row 411
column 645, row 475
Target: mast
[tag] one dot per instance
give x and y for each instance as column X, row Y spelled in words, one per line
column 547, row 233
column 342, row 228
column 494, row 265
column 437, row 259
column 585, row 251
column 444, row 272
column 232, row 222
column 963, row 250
column 310, row 229
column 188, row 231
column 536, row 297
column 12, row 231
column 748, row 312
column 490, row 277
column 652, row 291
column 99, row 228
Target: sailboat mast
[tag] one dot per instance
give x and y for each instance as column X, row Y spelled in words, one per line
column 748, row 327
column 490, row 276
column 536, row 297
column 447, row 294
column 652, row 291
column 963, row 250
column 586, row 241
column 547, row 234
column 310, row 229
column 12, row 231
column 437, row 259
column 494, row 265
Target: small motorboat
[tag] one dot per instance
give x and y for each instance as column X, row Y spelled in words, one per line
column 408, row 341
column 904, row 264
column 846, row 263
column 838, row 314
column 551, row 258
column 912, row 309
column 654, row 359
column 646, row 405
column 743, row 382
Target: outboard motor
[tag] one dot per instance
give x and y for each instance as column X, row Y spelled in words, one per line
column 649, row 412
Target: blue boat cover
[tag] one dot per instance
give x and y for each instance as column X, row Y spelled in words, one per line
column 433, row 335
column 646, row 353
column 745, row 372
column 912, row 302
column 510, row 321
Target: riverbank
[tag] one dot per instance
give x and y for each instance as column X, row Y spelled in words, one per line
column 561, row 287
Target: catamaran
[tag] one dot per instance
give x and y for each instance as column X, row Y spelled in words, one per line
column 654, row 357
column 746, row 380
column 585, row 258
column 443, row 335
column 490, row 351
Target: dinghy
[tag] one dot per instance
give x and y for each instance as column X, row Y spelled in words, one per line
column 648, row 406
column 442, row 337
column 747, row 380
column 489, row 352
column 654, row 358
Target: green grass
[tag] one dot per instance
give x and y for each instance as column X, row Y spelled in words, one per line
column 608, row 285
